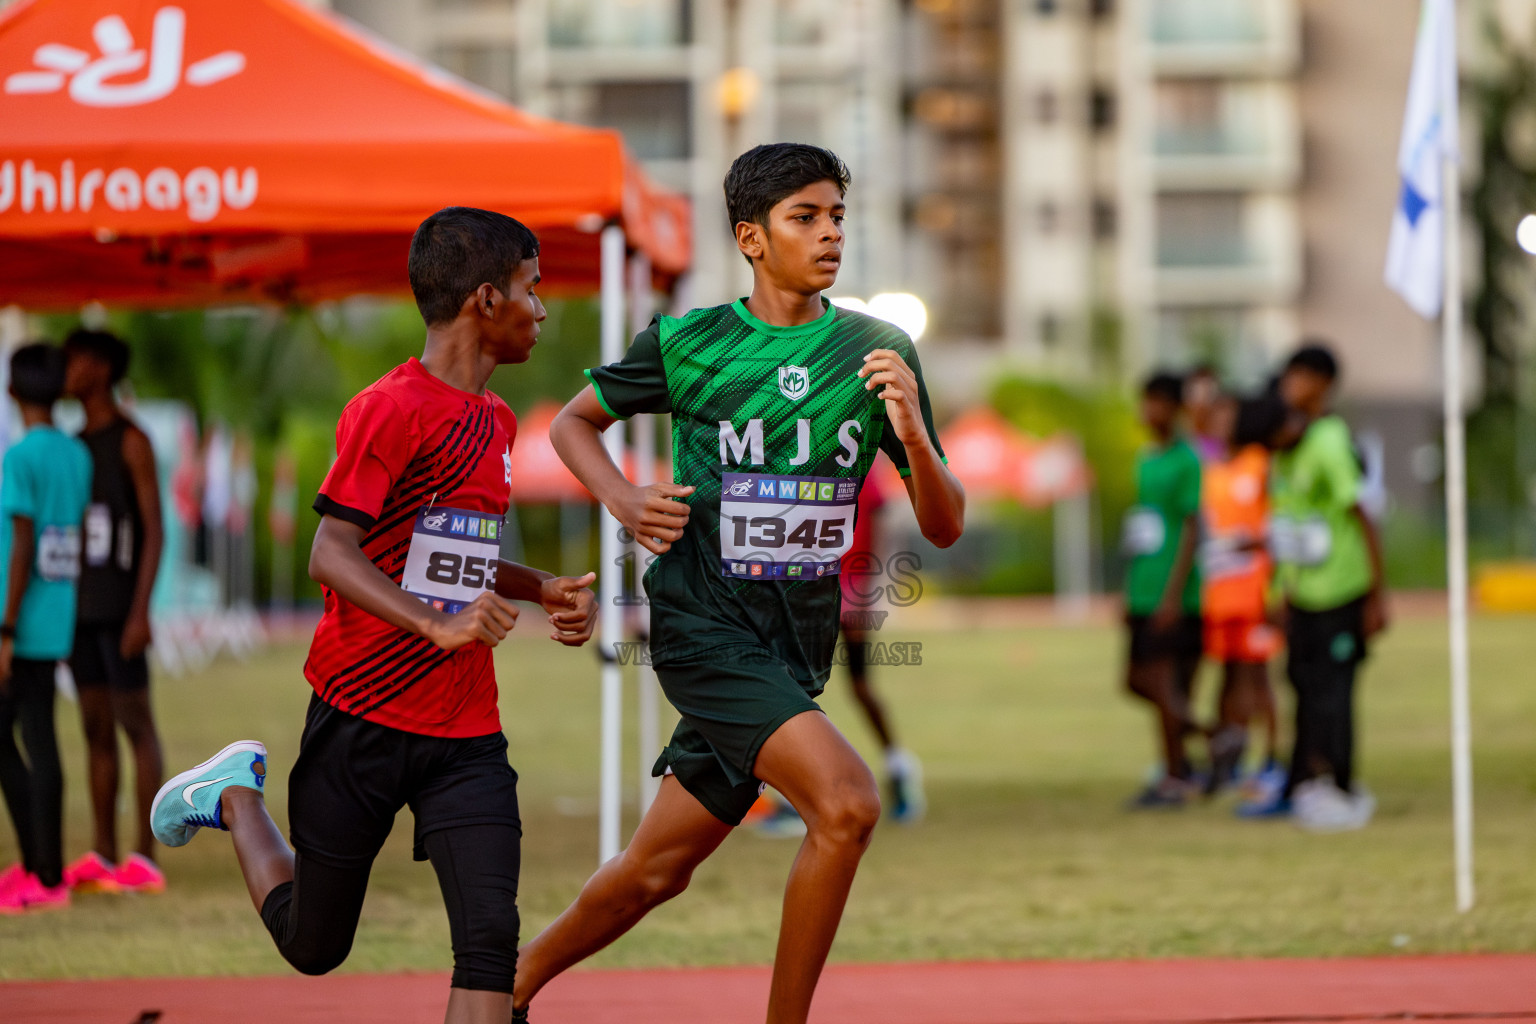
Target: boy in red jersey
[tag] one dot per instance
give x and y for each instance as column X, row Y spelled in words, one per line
column 404, row 709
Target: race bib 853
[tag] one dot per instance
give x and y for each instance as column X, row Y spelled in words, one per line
column 453, row 557
column 783, row 527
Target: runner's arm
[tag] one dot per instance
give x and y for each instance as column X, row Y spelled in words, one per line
column 19, row 574
column 936, row 494
column 571, row 606
column 337, row 561
column 140, row 459
column 650, row 513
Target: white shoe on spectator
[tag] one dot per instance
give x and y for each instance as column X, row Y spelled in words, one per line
column 1320, row 806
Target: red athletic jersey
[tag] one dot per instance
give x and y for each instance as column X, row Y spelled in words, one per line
column 406, row 442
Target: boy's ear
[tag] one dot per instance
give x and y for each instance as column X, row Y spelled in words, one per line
column 751, row 239
column 484, row 300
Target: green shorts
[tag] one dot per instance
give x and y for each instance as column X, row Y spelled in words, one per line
column 731, row 701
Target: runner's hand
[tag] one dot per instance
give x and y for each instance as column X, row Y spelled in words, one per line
column 571, row 606
column 654, row 516
column 886, row 370
column 137, row 636
column 487, row 619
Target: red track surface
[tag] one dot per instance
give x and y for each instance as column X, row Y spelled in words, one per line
column 1467, row 990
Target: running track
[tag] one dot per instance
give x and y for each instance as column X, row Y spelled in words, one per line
column 1461, row 989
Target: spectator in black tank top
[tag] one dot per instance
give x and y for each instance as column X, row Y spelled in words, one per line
column 123, row 540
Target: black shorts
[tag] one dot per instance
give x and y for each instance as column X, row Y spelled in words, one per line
column 97, row 659
column 1184, row 640
column 1333, row 635
column 352, row 776
column 730, row 702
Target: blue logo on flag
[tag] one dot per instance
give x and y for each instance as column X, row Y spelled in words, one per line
column 788, row 489
column 765, row 488
column 458, row 524
column 1413, row 204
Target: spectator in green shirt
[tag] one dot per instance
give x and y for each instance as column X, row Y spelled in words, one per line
column 1162, row 586
column 1330, row 574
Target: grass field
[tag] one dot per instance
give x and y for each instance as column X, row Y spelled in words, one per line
column 1030, row 753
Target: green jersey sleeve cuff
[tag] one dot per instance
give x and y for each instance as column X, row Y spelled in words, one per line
column 598, row 391
column 906, row 471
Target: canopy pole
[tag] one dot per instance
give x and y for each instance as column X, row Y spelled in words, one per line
column 643, row 441
column 1456, row 540
column 611, row 575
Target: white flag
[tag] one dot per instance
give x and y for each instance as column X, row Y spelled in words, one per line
column 1416, row 256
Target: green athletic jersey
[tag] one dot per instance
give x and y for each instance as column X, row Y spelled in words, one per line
column 776, row 432
column 1318, row 540
column 1167, row 493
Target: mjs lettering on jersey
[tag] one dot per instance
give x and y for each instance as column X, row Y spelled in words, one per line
column 775, row 527
column 746, row 447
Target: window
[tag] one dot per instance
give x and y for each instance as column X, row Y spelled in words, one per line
column 1047, row 107
column 1105, row 219
column 654, row 117
column 1101, row 109
column 1200, row 231
column 1049, row 329
column 490, row 67
column 619, row 23
column 1048, row 217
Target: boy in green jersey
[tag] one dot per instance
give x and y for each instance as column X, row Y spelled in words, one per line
column 1330, row 572
column 1162, row 585
column 779, row 404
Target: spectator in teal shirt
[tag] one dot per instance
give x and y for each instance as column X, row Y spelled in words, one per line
column 45, row 484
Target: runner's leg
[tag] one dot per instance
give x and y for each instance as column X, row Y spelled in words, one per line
column 477, row 869
column 100, row 729
column 817, row 770
column 133, row 713
column 311, row 908
column 673, row 839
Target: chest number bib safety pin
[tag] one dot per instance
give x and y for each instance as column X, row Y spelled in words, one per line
column 453, row 557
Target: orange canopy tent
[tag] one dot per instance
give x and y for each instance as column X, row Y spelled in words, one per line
column 994, row 460
column 199, row 152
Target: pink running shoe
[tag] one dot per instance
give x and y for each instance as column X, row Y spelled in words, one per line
column 139, row 874
column 10, row 878
column 92, row 873
column 32, row 896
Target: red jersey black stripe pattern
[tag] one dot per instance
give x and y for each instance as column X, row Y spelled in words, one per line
column 407, row 442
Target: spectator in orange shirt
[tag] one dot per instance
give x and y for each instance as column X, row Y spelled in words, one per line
column 1236, row 571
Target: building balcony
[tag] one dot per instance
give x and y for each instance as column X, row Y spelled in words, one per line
column 1226, row 38
column 1227, row 250
column 1225, row 137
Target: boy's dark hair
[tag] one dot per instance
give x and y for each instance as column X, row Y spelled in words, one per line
column 103, row 345
column 458, row 249
column 1258, row 420
column 37, row 373
column 1317, row 357
column 765, row 176
column 1165, row 385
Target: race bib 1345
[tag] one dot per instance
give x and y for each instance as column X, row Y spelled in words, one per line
column 785, row 528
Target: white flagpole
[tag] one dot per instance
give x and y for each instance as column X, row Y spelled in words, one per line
column 1456, row 539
